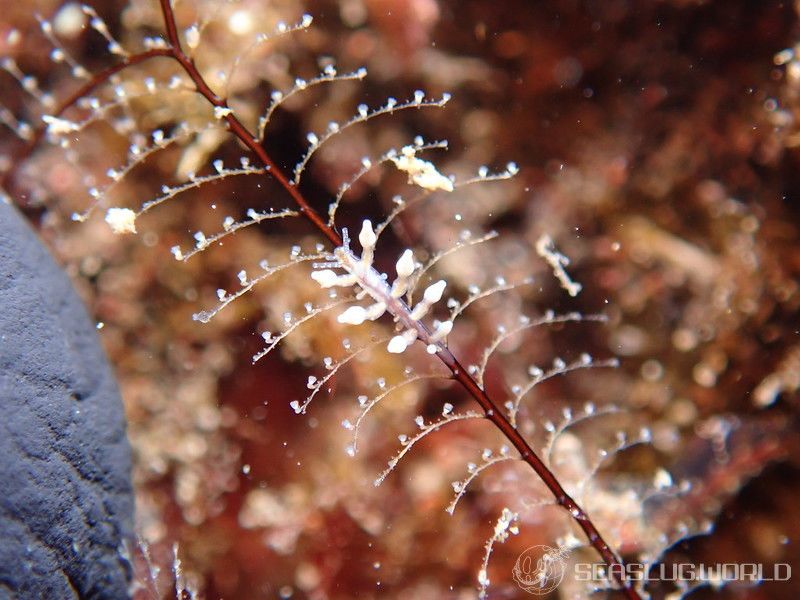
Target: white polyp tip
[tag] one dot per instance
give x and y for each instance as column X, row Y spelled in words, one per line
column 397, row 345
column 375, row 311
column 355, row 315
column 442, row 330
column 367, row 237
column 121, row 220
column 193, row 37
column 325, row 278
column 433, row 293
column 405, row 264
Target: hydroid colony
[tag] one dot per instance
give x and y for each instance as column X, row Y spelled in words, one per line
column 342, row 311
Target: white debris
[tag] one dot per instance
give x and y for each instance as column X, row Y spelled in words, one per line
column 58, row 126
column 557, row 261
column 662, row 479
column 421, row 172
column 220, row 112
column 121, row 220
column 69, row 20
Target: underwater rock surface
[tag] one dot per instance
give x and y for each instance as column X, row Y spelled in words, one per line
column 66, row 504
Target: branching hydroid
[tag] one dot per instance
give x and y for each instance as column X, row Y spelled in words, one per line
column 415, row 313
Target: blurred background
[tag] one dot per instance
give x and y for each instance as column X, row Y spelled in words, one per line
column 658, row 146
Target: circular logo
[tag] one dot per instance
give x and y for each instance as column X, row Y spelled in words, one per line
column 539, row 570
